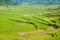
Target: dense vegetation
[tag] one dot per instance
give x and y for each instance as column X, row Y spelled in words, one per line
column 19, row 2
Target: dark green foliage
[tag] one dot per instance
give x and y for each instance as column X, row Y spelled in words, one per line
column 58, row 18
column 53, row 21
column 53, row 35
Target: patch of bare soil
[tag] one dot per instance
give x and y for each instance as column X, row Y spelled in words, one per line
column 29, row 14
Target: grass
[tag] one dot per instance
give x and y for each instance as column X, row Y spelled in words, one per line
column 9, row 30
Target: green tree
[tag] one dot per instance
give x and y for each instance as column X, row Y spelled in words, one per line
column 2, row 2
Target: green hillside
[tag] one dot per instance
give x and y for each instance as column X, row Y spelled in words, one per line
column 11, row 27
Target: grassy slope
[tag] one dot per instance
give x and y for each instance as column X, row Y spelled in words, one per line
column 9, row 29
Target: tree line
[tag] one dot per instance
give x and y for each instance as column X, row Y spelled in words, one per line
column 18, row 2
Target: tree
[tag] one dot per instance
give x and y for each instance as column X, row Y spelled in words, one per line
column 2, row 2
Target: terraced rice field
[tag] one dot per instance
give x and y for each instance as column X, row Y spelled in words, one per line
column 11, row 27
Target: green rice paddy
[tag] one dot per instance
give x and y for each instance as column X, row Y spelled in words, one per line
column 10, row 30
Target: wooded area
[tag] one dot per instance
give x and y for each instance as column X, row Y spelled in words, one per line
column 18, row 2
